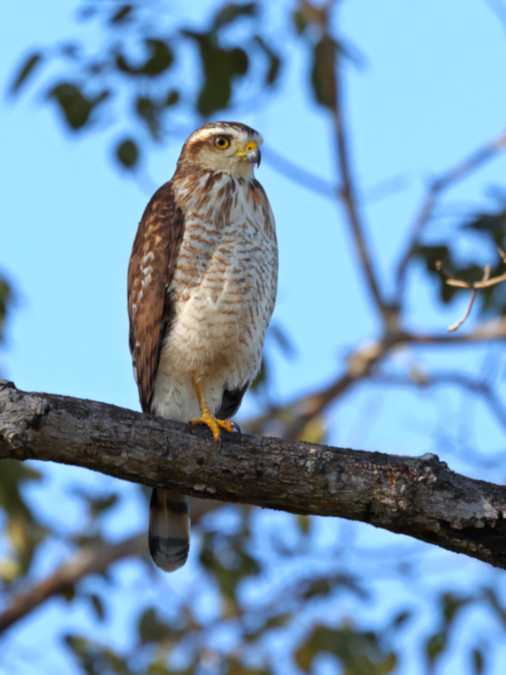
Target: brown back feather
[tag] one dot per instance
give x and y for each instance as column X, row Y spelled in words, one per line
column 150, row 305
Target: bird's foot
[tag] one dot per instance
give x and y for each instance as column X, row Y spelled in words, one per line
column 236, row 427
column 213, row 424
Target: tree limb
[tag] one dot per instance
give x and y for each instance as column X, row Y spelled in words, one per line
column 420, row 497
column 92, row 559
column 89, row 560
column 424, row 380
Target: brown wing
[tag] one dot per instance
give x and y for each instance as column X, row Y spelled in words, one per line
column 151, row 268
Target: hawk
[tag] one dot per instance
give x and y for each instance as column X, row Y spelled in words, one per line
column 202, row 284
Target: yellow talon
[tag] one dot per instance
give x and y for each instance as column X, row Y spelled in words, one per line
column 212, row 423
column 207, row 418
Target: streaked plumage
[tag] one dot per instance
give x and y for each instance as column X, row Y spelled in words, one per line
column 201, row 290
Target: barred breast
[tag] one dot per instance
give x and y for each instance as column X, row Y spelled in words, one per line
column 224, row 289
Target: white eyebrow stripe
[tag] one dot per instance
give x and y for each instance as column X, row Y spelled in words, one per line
column 215, row 129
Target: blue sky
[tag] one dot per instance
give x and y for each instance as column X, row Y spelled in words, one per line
column 430, row 90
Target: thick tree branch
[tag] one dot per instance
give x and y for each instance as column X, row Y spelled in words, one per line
column 420, row 497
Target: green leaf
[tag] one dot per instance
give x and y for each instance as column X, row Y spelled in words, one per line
column 221, row 66
column 121, row 14
column 359, row 652
column 159, row 59
column 23, row 531
column 451, row 605
column 229, row 563
column 491, row 597
column 324, row 586
column 26, row 70
column 127, row 153
column 304, row 523
column 73, row 103
column 96, row 504
column 6, row 298
column 300, row 21
column 148, row 111
column 401, row 619
column 97, row 604
column 233, row 11
column 172, row 98
column 274, row 61
column 96, row 659
column 430, row 254
column 492, row 226
column 435, row 645
column 478, row 661
column 323, row 72
column 151, row 628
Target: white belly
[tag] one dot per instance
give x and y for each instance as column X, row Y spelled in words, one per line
column 223, row 303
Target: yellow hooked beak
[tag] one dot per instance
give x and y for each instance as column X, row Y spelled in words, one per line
column 251, row 153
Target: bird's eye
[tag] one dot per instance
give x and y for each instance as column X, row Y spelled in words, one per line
column 221, row 142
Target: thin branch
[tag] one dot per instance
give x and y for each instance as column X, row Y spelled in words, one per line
column 476, row 285
column 499, row 10
column 479, row 387
column 348, row 189
column 89, row 560
column 486, row 281
column 490, row 331
column 92, row 559
column 299, row 175
column 455, row 326
column 434, row 191
column 360, row 363
column 420, row 497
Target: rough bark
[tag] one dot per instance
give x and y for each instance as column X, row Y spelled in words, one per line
column 417, row 496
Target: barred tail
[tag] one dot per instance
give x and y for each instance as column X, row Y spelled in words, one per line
column 169, row 536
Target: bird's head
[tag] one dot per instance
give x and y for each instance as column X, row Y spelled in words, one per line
column 229, row 147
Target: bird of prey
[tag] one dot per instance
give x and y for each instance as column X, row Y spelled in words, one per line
column 202, row 284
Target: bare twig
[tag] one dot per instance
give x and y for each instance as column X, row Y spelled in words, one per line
column 489, row 331
column 476, row 285
column 434, row 190
column 299, row 175
column 486, row 282
column 295, row 416
column 479, row 387
column 348, row 191
column 456, row 325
